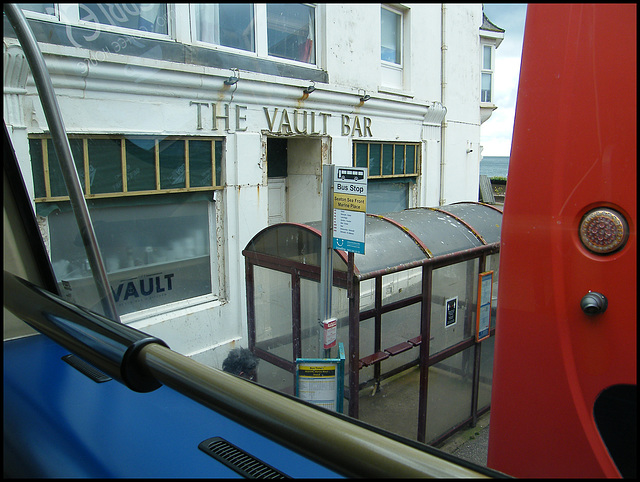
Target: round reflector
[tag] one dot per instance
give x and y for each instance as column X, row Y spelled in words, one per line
column 603, row 231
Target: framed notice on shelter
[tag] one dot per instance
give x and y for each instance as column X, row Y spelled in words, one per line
column 450, row 312
column 483, row 313
column 320, row 381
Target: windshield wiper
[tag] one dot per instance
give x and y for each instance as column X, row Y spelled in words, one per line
column 63, row 150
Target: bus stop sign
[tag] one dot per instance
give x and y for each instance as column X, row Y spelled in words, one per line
column 349, row 208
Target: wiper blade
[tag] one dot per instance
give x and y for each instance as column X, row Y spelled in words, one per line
column 109, row 346
column 63, row 150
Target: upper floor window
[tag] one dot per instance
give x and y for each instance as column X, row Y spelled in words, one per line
column 227, row 24
column 148, row 17
column 390, row 36
column 286, row 30
column 486, row 87
column 291, row 31
column 268, row 31
column 392, row 47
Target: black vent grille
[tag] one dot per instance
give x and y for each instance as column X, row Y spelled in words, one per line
column 86, row 369
column 238, row 460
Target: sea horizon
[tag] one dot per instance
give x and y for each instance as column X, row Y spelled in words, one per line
column 494, row 166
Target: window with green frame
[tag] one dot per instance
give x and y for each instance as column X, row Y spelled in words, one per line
column 158, row 250
column 393, row 168
column 387, row 159
column 113, row 166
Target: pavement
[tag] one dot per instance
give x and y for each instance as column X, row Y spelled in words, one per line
column 394, row 407
column 470, row 444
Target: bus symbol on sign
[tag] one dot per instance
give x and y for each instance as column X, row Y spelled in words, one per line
column 352, row 174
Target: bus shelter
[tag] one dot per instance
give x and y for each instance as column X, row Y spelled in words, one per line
column 411, row 304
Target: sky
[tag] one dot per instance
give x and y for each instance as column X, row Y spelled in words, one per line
column 496, row 132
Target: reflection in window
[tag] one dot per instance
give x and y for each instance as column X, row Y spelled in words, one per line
column 273, row 308
column 384, row 159
column 291, row 31
column 156, row 247
column 392, row 168
column 486, row 57
column 458, row 285
column 140, row 160
column 46, row 8
column 387, row 197
column 452, row 380
column 391, row 36
column 172, row 165
column 104, row 161
column 486, row 88
column 148, row 17
column 155, row 252
column 152, row 165
column 226, row 24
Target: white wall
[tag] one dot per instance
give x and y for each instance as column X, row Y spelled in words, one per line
column 462, row 94
column 141, row 96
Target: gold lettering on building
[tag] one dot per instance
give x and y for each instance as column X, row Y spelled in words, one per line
column 362, row 129
column 220, row 116
column 304, row 122
column 279, row 120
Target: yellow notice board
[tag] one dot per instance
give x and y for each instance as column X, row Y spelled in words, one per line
column 321, row 380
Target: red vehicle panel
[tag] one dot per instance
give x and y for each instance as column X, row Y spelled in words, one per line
column 574, row 150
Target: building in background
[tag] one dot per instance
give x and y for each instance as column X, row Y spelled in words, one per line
column 194, row 126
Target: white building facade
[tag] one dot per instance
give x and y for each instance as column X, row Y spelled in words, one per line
column 195, row 126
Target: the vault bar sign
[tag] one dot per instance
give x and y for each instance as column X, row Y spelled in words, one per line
column 349, row 208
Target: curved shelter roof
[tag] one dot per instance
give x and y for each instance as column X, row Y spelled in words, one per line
column 391, row 240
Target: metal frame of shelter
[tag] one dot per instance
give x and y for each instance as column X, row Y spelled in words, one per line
column 425, row 238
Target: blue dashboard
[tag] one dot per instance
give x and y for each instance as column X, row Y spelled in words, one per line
column 58, row 422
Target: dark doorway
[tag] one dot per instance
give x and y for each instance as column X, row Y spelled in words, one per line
column 276, row 157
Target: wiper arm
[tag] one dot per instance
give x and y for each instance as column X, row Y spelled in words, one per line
column 63, row 150
column 111, row 347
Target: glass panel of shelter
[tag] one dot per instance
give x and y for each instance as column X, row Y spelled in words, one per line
column 387, row 347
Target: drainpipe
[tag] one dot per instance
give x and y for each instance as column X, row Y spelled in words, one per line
column 443, row 84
